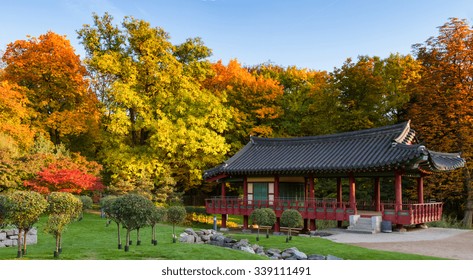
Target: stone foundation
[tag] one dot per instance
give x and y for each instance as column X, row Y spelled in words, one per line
column 9, row 237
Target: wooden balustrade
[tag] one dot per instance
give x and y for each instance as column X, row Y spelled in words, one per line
column 326, row 209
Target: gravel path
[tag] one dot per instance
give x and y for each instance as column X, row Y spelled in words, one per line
column 438, row 242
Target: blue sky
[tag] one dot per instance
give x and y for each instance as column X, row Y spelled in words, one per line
column 313, row 34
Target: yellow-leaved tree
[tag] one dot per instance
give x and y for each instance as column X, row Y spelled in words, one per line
column 161, row 127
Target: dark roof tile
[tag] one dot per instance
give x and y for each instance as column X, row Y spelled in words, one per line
column 369, row 150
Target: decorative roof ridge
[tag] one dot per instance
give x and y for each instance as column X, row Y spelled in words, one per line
column 402, row 128
column 407, row 129
column 457, row 154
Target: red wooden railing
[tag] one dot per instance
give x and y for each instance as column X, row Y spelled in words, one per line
column 409, row 214
column 326, row 209
column 322, row 209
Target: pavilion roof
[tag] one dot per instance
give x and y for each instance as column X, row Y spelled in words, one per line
column 380, row 149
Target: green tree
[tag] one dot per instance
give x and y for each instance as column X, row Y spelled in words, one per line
column 23, row 209
column 306, row 100
column 291, row 218
column 3, row 211
column 133, row 212
column 63, row 208
column 175, row 215
column 373, row 91
column 442, row 109
column 158, row 215
column 161, row 126
column 108, row 209
column 263, row 217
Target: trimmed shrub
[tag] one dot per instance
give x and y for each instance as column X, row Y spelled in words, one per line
column 132, row 211
column 158, row 215
column 86, row 202
column 3, row 211
column 63, row 208
column 108, row 210
column 23, row 209
column 292, row 219
column 176, row 215
column 263, row 217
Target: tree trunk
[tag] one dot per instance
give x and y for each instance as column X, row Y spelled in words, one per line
column 138, row 239
column 19, row 254
column 173, row 234
column 468, row 217
column 24, row 242
column 56, row 252
column 153, row 234
column 60, row 244
column 119, row 239
column 127, row 240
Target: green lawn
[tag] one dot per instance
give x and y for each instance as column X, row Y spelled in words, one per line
column 90, row 239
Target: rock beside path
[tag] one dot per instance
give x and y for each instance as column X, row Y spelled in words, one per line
column 215, row 238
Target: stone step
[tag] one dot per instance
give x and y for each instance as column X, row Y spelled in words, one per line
column 367, row 225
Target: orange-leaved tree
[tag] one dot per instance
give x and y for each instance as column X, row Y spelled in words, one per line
column 15, row 115
column 252, row 100
column 442, row 108
column 57, row 88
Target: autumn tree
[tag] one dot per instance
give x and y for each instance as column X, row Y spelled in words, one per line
column 306, row 100
column 373, row 91
column 161, row 127
column 64, row 176
column 56, row 88
column 15, row 115
column 252, row 100
column 442, row 108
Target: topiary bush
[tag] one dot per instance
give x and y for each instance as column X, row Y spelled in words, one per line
column 3, row 211
column 23, row 209
column 63, row 208
column 292, row 219
column 263, row 217
column 108, row 211
column 86, row 202
column 175, row 215
column 158, row 215
column 132, row 211
column 271, row 219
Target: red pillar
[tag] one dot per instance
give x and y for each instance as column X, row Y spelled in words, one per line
column 306, row 225
column 224, row 221
column 339, row 192
column 339, row 198
column 311, row 188
column 351, row 187
column 245, row 201
column 277, row 225
column 311, row 201
column 312, row 225
column 398, row 189
column 377, row 194
column 420, row 189
column 223, row 190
